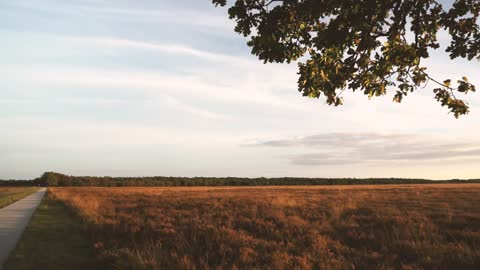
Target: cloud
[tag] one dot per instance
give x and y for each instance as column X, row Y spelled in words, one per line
column 45, row 134
column 154, row 83
column 178, row 105
column 112, row 10
column 189, row 17
column 354, row 148
column 178, row 49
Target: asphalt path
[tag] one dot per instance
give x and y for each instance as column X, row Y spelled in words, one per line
column 14, row 218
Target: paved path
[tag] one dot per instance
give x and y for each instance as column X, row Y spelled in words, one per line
column 13, row 220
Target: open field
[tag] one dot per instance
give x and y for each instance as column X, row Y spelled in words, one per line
column 9, row 195
column 302, row 227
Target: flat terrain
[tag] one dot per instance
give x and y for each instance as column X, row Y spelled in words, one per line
column 9, row 195
column 300, row 227
column 13, row 220
column 53, row 240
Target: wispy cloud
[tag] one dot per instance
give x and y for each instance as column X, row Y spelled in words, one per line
column 353, row 148
column 196, row 111
column 95, row 76
column 177, row 49
column 154, row 84
column 115, row 11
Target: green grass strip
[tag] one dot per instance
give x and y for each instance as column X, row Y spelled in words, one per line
column 53, row 240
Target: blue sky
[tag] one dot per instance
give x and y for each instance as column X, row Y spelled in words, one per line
column 128, row 88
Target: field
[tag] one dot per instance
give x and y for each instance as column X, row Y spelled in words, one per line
column 9, row 195
column 307, row 227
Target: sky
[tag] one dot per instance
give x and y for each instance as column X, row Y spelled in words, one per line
column 154, row 87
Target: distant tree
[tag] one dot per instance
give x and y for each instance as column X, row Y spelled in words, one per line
column 59, row 179
column 51, row 178
column 366, row 45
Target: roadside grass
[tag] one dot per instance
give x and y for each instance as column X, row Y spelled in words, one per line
column 9, row 195
column 53, row 240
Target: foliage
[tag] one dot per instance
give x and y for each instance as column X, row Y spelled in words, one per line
column 362, row 45
column 62, row 180
column 360, row 227
column 20, row 183
column 58, row 179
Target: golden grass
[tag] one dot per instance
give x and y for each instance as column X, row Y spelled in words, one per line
column 10, row 195
column 295, row 227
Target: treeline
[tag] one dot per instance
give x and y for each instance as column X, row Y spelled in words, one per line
column 58, row 179
column 20, row 183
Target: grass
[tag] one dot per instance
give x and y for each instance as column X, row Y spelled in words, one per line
column 53, row 240
column 309, row 227
column 10, row 195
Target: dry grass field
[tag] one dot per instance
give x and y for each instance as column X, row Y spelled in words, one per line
column 301, row 227
column 10, row 195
